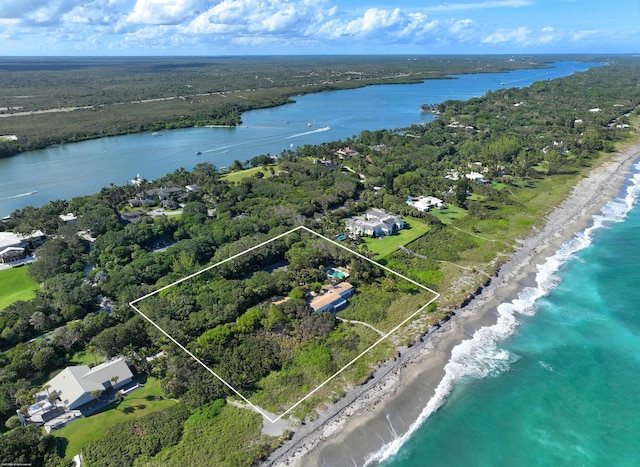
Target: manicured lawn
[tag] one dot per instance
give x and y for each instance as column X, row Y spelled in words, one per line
column 383, row 247
column 16, row 284
column 237, row 176
column 449, row 214
column 135, row 405
column 86, row 358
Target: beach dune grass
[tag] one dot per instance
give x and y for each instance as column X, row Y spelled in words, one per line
column 136, row 404
column 278, row 389
column 230, row 438
column 16, row 284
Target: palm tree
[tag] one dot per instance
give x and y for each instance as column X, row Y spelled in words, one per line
column 114, row 380
column 96, row 393
column 92, row 350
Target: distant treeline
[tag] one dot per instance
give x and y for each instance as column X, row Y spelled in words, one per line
column 131, row 95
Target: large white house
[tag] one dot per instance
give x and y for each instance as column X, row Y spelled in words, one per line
column 14, row 246
column 375, row 223
column 77, row 385
column 425, row 203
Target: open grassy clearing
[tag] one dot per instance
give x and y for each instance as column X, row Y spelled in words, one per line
column 235, row 177
column 16, row 284
column 135, row 405
column 449, row 214
column 86, row 358
column 384, row 246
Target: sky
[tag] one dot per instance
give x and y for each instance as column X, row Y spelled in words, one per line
column 321, row 27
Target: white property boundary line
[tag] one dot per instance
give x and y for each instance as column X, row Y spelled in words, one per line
column 255, row 407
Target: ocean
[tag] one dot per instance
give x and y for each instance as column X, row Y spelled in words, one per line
column 555, row 381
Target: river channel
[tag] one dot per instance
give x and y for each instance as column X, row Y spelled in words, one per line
column 75, row 169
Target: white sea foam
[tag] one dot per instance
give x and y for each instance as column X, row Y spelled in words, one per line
column 480, row 356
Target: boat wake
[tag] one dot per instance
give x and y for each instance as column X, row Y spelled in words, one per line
column 21, row 195
column 481, row 356
column 319, row 130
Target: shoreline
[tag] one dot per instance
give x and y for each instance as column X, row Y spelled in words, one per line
column 378, row 413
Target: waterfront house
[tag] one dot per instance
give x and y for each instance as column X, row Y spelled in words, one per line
column 477, row 177
column 332, row 299
column 131, row 217
column 69, row 218
column 11, row 243
column 12, row 253
column 425, row 203
column 76, row 386
column 375, row 223
column 346, row 152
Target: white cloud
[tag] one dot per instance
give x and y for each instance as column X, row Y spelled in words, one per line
column 163, row 11
column 585, row 34
column 20, row 8
column 523, row 36
column 479, row 5
column 279, row 26
column 260, row 17
column 507, row 35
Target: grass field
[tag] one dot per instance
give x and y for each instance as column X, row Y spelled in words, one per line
column 235, row 177
column 135, row 405
column 16, row 284
column 384, row 246
column 449, row 214
column 85, row 358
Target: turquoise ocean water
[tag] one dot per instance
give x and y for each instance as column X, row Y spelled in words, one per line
column 556, row 381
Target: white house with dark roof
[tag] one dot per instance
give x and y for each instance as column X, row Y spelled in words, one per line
column 14, row 246
column 12, row 253
column 77, row 385
column 69, row 218
column 375, row 222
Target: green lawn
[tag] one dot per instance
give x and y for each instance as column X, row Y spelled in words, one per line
column 16, row 284
column 384, row 246
column 235, row 177
column 135, row 405
column 85, row 358
column 449, row 214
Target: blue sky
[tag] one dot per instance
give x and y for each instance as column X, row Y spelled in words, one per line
column 258, row 27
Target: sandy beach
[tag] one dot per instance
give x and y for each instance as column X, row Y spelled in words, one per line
column 374, row 415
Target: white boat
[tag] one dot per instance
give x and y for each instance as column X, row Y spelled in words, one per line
column 156, row 133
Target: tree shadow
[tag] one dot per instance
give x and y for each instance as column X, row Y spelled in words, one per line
column 61, row 446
